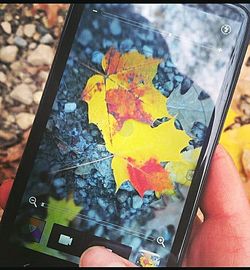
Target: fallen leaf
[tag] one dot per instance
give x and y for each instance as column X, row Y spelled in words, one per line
column 128, row 104
column 246, row 161
column 235, row 141
column 51, row 11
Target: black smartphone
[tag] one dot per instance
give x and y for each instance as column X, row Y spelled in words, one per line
column 124, row 134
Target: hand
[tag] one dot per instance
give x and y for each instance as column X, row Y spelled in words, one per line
column 222, row 239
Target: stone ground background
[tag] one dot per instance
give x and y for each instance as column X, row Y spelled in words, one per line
column 29, row 35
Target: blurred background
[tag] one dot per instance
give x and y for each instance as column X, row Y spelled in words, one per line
column 29, row 35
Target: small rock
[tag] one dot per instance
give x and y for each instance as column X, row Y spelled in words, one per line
column 29, row 30
column 8, row 17
column 42, row 55
column 32, row 46
column 122, row 196
column 16, row 66
column 23, row 94
column 6, row 135
column 37, row 96
column 126, row 186
column 8, row 54
column 25, row 120
column 115, row 27
column 19, row 41
column 47, row 39
column 19, row 31
column 37, row 36
column 6, row 27
column 3, row 77
column 43, row 75
column 28, row 80
column 10, row 40
column 85, row 37
column 97, row 57
column 69, row 107
column 137, row 202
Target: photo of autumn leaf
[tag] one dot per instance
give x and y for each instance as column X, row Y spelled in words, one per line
column 125, row 133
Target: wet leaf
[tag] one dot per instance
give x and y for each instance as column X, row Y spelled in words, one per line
column 188, row 108
column 128, row 105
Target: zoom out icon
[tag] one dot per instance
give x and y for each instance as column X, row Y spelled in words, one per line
column 226, row 29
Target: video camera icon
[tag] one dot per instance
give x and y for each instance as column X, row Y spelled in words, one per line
column 65, row 240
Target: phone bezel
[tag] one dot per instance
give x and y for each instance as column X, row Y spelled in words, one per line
column 24, row 256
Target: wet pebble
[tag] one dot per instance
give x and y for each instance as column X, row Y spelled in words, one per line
column 85, row 37
column 97, row 57
column 115, row 27
column 137, row 202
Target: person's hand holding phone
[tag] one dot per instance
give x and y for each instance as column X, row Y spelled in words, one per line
column 222, row 239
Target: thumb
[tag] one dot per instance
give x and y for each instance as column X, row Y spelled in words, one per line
column 102, row 257
column 224, row 194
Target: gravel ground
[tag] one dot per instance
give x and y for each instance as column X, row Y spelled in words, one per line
column 29, row 34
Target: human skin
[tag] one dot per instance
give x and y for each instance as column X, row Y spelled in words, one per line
column 221, row 239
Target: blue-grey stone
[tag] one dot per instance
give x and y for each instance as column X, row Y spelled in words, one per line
column 126, row 186
column 103, row 203
column 95, row 24
column 122, row 196
column 169, row 85
column 178, row 78
column 85, row 37
column 80, row 182
column 59, row 182
column 106, row 43
column 126, row 45
column 69, row 107
column 20, row 42
column 170, row 64
column 148, row 51
column 97, row 57
column 137, row 202
column 115, row 27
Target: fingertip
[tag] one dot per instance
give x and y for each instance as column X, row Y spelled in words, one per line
column 99, row 256
column 223, row 193
column 5, row 189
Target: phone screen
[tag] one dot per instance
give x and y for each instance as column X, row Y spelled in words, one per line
column 126, row 129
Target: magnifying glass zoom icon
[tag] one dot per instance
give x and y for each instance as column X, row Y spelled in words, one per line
column 32, row 200
column 160, row 240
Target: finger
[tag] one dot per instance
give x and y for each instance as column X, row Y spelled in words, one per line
column 223, row 195
column 195, row 228
column 5, row 189
column 102, row 257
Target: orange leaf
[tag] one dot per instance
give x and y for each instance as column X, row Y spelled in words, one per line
column 51, row 11
column 149, row 176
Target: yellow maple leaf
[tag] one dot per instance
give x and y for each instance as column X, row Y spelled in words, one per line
column 234, row 141
column 124, row 103
column 182, row 171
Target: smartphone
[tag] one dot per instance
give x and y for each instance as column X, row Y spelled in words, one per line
column 122, row 141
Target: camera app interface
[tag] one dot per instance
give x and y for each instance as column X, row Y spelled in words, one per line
column 125, row 132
